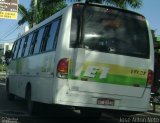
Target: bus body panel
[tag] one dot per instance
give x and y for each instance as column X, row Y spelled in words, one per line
column 69, row 97
column 38, row 74
column 89, row 63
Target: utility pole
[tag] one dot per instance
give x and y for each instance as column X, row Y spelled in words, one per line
column 35, row 6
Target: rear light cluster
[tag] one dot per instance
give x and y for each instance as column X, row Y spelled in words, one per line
column 150, row 77
column 62, row 68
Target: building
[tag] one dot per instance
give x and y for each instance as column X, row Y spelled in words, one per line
column 4, row 47
column 7, row 46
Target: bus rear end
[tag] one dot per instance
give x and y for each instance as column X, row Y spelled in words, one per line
column 110, row 61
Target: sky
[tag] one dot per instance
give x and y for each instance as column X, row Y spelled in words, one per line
column 9, row 29
column 150, row 10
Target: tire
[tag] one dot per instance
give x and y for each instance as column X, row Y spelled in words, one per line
column 31, row 105
column 10, row 96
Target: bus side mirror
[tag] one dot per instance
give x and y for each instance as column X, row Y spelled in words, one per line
column 8, row 55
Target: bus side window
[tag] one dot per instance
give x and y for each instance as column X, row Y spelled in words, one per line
column 34, row 40
column 45, row 37
column 26, row 52
column 52, row 37
column 24, row 46
column 16, row 49
column 37, row 42
column 13, row 49
column 21, row 47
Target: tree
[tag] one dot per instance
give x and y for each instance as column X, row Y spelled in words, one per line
column 27, row 15
column 46, row 8
column 43, row 10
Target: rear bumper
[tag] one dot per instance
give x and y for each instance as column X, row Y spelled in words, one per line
column 86, row 99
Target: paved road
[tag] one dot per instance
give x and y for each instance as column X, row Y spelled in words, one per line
column 15, row 112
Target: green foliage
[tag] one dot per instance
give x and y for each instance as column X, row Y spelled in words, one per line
column 2, row 68
column 27, row 15
column 41, row 11
column 46, row 9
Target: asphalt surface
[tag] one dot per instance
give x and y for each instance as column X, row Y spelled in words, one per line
column 16, row 112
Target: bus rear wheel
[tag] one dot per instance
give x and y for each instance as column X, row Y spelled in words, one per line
column 10, row 96
column 31, row 106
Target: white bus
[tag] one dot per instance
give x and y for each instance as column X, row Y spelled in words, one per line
column 87, row 56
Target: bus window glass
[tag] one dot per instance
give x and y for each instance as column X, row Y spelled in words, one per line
column 21, row 47
column 34, row 40
column 38, row 41
column 13, row 48
column 16, row 49
column 52, row 35
column 116, row 32
column 28, row 45
column 24, row 46
column 45, row 37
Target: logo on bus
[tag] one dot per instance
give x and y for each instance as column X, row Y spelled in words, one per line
column 93, row 70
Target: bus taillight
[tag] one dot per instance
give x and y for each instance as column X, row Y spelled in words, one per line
column 150, row 77
column 62, row 68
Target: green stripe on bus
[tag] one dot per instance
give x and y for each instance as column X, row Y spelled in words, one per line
column 115, row 79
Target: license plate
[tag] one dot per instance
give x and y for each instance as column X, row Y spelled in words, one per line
column 105, row 101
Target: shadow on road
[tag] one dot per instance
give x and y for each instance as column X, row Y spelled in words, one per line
column 16, row 110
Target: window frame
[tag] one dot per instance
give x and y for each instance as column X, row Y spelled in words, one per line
column 25, row 45
column 18, row 42
column 45, row 37
column 22, row 41
column 33, row 42
column 43, row 49
column 38, row 42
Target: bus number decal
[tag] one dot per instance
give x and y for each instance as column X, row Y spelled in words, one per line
column 138, row 72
